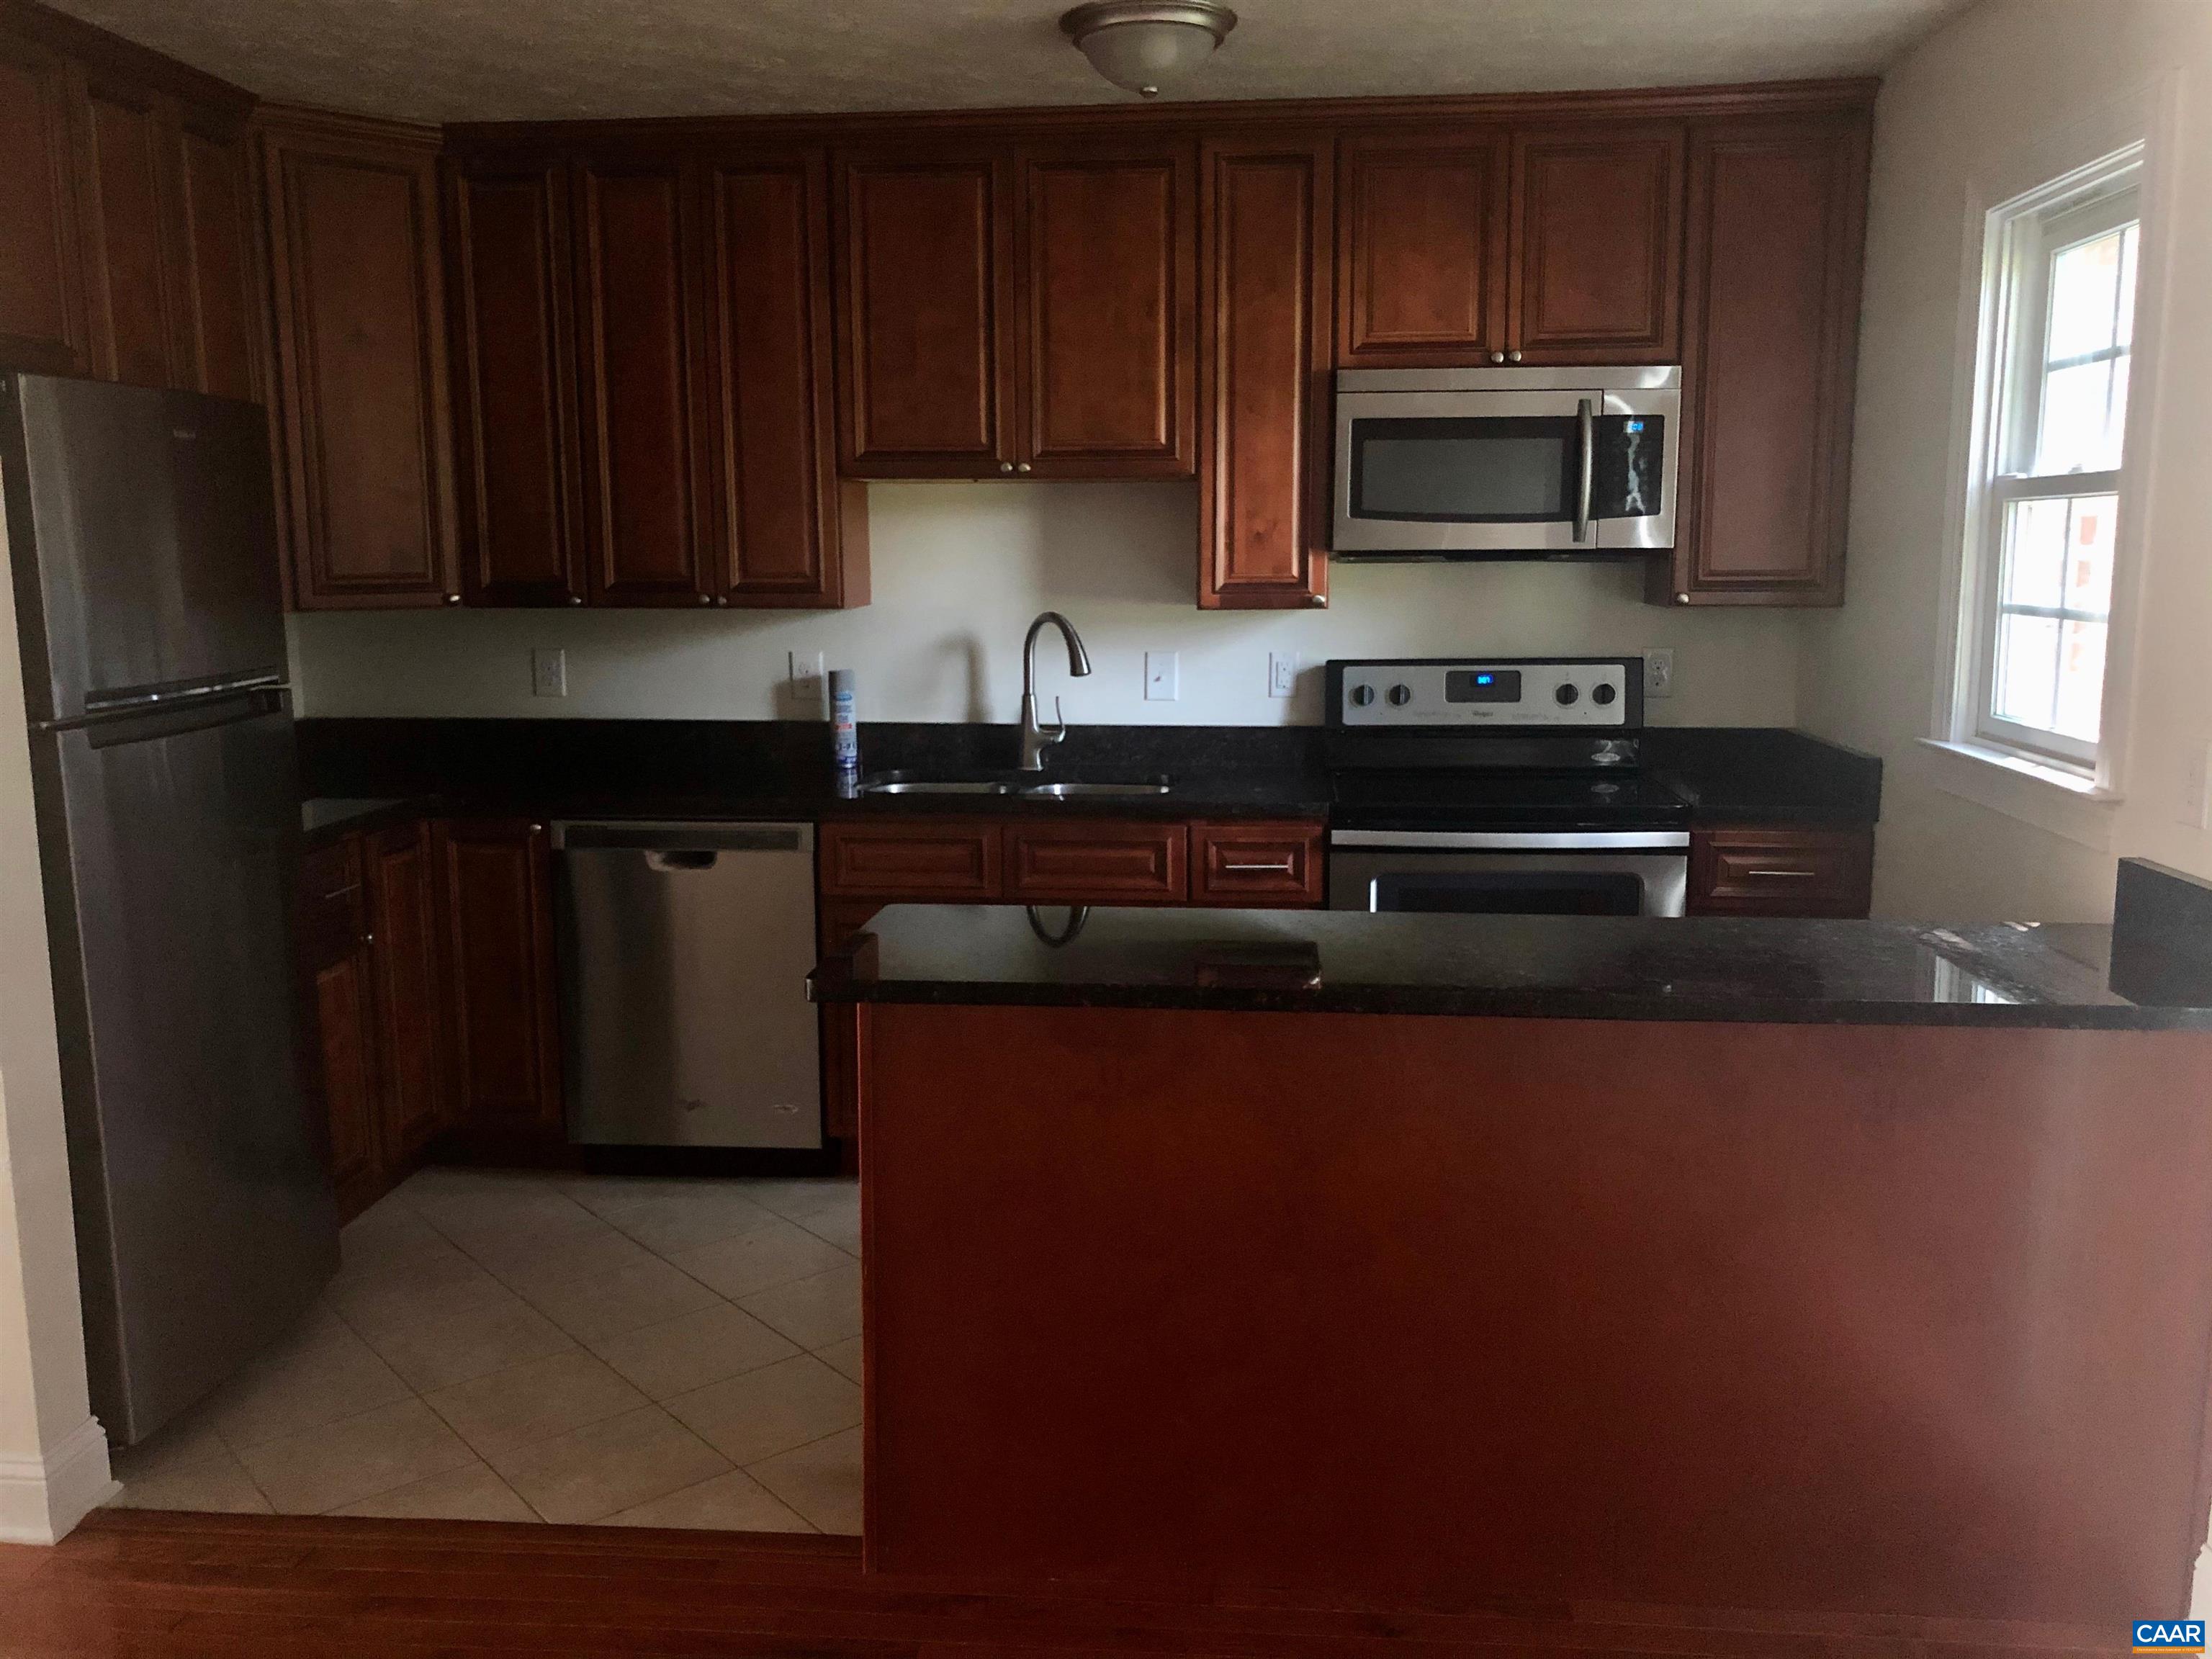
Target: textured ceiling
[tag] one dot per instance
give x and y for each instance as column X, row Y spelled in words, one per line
column 511, row 59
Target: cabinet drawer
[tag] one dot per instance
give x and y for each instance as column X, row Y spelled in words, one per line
column 332, row 912
column 1097, row 863
column 1261, row 864
column 953, row 860
column 1784, row 871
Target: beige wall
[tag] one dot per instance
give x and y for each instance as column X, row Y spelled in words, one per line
column 53, row 1459
column 2004, row 86
column 960, row 568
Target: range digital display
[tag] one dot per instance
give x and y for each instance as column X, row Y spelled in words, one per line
column 1483, row 685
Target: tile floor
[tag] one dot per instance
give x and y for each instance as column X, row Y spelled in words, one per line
column 519, row 1346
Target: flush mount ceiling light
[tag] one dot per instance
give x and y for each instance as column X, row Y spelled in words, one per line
column 1139, row 44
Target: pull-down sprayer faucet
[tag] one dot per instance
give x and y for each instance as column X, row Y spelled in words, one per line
column 1035, row 737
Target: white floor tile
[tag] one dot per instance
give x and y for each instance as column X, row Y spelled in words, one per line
column 822, row 1481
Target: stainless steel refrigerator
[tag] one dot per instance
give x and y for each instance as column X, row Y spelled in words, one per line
column 140, row 531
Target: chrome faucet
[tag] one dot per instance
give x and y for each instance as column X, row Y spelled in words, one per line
column 1035, row 737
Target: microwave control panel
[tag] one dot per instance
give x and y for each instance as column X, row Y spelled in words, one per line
column 1475, row 691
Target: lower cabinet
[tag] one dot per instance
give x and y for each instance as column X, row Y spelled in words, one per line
column 335, row 942
column 401, row 885
column 1781, row 870
column 504, row 1069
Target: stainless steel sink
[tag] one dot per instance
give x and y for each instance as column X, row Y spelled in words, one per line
column 1077, row 791
column 895, row 785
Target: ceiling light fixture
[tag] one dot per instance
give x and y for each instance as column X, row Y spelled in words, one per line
column 1139, row 44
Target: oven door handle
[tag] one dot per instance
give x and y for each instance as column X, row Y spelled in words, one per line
column 1586, row 420
column 1513, row 841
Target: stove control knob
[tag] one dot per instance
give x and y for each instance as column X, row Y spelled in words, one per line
column 1569, row 694
column 1362, row 696
column 1602, row 696
column 1400, row 695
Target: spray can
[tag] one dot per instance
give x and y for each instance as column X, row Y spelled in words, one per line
column 844, row 732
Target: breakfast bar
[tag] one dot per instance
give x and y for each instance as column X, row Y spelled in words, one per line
column 1836, row 1268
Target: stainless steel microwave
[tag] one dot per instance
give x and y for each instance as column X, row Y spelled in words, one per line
column 1503, row 463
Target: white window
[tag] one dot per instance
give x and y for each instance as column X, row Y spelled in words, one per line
column 2058, row 328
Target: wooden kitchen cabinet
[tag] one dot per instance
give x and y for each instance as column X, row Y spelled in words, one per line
column 137, row 283
column 943, row 861
column 510, row 296
column 1261, row 866
column 1086, row 861
column 1777, row 231
column 1478, row 247
column 495, row 892
column 360, row 360
column 642, row 356
column 219, row 349
column 43, row 324
column 1781, row 870
column 792, row 533
column 1265, row 275
column 406, row 959
column 335, row 948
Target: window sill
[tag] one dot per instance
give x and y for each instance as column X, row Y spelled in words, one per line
column 2048, row 797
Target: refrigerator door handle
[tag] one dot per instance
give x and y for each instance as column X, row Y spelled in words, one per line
column 135, row 705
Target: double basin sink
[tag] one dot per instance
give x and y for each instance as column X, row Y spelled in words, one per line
column 913, row 783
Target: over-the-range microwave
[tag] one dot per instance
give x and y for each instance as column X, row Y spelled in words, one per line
column 1505, row 463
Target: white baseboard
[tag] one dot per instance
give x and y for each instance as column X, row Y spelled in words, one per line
column 42, row 1500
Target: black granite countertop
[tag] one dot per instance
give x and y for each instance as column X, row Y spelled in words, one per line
column 563, row 768
column 1544, row 967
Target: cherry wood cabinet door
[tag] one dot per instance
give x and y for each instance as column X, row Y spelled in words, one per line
column 355, row 268
column 405, row 958
column 1776, row 224
column 924, row 314
column 793, row 534
column 1781, row 870
column 511, row 303
column 1263, row 865
column 43, row 324
column 335, row 948
column 1091, row 862
column 1421, row 277
column 136, row 285
column 642, row 348
column 1265, row 300
column 1597, row 245
column 948, row 861
column 218, row 347
column 1108, row 275
column 494, row 878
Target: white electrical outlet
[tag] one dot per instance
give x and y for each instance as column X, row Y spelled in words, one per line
column 1282, row 673
column 548, row 673
column 1160, row 676
column 807, row 679
column 1659, row 673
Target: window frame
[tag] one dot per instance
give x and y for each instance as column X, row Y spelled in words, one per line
column 2022, row 237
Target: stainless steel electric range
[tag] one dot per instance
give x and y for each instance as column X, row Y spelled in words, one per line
column 1498, row 785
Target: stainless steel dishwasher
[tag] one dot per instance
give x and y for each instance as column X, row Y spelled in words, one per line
column 684, row 950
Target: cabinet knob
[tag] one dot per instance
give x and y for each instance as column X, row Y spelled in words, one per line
column 1514, row 355
column 576, row 598
column 1024, row 467
column 1006, row 466
column 536, row 829
column 721, row 598
column 1681, row 599
column 706, row 598
column 368, row 938
column 1497, row 356
column 453, row 599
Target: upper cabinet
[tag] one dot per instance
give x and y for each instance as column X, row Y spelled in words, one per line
column 1019, row 309
column 1484, row 246
column 1777, row 228
column 360, row 352
column 42, row 314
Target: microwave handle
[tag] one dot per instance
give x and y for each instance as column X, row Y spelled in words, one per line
column 1586, row 418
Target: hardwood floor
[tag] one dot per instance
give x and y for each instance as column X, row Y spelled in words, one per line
column 171, row 1586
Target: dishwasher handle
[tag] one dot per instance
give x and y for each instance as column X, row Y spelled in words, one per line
column 684, row 846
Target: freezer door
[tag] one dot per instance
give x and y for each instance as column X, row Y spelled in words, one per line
column 684, row 952
column 141, row 525
column 205, row 1222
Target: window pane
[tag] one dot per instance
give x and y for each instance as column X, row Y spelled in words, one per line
column 2129, row 236
column 2081, row 680
column 2089, row 554
column 2085, row 284
column 2082, row 422
column 2026, row 687
column 2035, row 554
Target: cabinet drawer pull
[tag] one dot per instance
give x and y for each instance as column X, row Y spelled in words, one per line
column 337, row 893
column 1281, row 869
column 1783, row 875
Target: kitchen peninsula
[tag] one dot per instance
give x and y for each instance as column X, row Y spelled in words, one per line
column 1834, row 1267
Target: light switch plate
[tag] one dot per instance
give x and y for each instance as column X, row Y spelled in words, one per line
column 1659, row 673
column 1282, row 673
column 806, row 679
column 1161, row 676
column 548, row 673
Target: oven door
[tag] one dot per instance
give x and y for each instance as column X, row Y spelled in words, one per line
column 1597, row 873
column 1443, row 474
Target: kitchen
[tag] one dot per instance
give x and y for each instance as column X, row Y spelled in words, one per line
column 598, row 443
